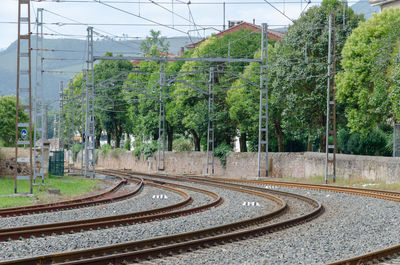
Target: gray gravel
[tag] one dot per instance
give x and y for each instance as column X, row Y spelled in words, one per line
column 232, row 210
column 336, row 235
column 110, row 209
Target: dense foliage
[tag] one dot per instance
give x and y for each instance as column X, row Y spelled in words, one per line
column 7, row 120
column 369, row 84
column 367, row 89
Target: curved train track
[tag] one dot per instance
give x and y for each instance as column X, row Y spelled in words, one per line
column 108, row 196
column 167, row 245
column 113, row 221
column 374, row 257
column 137, row 251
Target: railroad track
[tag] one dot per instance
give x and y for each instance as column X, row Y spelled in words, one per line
column 108, row 196
column 168, row 245
column 113, row 221
column 385, row 256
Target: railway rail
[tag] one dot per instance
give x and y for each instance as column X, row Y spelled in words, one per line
column 167, row 245
column 108, row 196
column 383, row 256
column 113, row 221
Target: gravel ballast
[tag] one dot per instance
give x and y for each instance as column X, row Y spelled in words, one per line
column 337, row 234
column 110, row 209
column 232, row 210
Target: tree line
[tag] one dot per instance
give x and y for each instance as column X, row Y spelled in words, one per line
column 367, row 88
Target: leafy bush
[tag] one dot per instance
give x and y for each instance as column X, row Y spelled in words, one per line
column 75, row 150
column 222, row 151
column 127, row 143
column 105, row 148
column 96, row 156
column 375, row 142
column 117, row 152
column 182, row 145
column 145, row 149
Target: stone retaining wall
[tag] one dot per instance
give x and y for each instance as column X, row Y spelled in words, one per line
column 244, row 165
column 7, row 161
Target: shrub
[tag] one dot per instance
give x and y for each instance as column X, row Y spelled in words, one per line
column 105, row 148
column 222, row 151
column 127, row 143
column 117, row 152
column 182, row 145
column 376, row 142
column 145, row 149
column 75, row 150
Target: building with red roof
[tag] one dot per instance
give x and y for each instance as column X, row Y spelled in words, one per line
column 241, row 25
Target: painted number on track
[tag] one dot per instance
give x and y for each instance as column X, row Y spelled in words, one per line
column 162, row 196
column 251, row 204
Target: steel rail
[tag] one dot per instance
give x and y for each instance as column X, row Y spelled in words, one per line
column 105, row 197
column 380, row 194
column 139, row 250
column 113, row 221
column 374, row 256
column 96, row 223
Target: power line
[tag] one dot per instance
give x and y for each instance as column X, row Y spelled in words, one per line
column 184, row 3
column 138, row 16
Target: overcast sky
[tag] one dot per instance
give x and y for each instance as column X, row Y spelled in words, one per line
column 206, row 14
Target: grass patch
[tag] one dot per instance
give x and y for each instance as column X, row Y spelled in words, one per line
column 69, row 187
column 352, row 182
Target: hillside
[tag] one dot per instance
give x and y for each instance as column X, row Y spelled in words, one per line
column 75, row 62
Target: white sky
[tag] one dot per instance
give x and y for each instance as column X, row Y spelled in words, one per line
column 90, row 12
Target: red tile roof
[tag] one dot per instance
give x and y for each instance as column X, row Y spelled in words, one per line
column 273, row 34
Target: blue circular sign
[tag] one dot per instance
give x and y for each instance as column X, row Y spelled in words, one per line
column 24, row 133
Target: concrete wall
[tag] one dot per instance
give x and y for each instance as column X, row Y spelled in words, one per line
column 244, row 165
column 7, row 160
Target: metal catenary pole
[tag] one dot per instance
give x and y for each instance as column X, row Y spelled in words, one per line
column 60, row 115
column 24, row 92
column 210, row 129
column 263, row 108
column 70, row 125
column 89, row 125
column 161, row 124
column 38, row 155
column 330, row 109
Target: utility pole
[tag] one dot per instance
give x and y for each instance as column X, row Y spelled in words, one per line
column 223, row 15
column 38, row 155
column 210, row 130
column 24, row 92
column 263, row 108
column 161, row 122
column 331, row 150
column 60, row 115
column 89, row 124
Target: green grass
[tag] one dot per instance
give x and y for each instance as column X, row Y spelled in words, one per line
column 69, row 187
column 353, row 182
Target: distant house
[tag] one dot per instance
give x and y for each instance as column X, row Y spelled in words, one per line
column 383, row 4
column 163, row 54
column 240, row 25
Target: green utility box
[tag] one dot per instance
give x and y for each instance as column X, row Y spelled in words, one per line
column 56, row 163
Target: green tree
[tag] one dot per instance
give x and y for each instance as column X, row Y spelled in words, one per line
column 142, row 90
column 111, row 105
column 191, row 105
column 7, row 119
column 154, row 43
column 369, row 83
column 300, row 73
